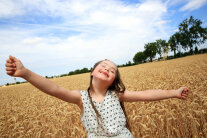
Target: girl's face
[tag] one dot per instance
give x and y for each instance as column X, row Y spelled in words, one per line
column 105, row 71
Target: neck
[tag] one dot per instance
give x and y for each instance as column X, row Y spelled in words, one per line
column 98, row 88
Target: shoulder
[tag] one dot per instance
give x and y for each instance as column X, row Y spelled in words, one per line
column 82, row 96
column 119, row 95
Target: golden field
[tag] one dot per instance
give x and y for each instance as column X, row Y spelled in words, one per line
column 25, row 111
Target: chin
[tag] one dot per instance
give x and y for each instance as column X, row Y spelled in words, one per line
column 101, row 78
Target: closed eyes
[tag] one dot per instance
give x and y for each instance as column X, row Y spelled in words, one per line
column 112, row 70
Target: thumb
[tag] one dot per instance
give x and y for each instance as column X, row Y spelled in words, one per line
column 13, row 58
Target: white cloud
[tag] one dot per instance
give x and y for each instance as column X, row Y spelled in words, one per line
column 9, row 8
column 176, row 30
column 193, row 5
column 31, row 41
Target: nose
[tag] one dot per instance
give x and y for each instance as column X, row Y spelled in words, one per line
column 107, row 68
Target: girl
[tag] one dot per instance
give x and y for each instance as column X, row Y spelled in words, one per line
column 102, row 110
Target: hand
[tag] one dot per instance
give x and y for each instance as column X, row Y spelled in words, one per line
column 182, row 92
column 14, row 67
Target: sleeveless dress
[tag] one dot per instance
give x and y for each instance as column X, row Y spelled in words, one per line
column 114, row 122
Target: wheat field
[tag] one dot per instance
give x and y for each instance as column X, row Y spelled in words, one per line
column 25, row 111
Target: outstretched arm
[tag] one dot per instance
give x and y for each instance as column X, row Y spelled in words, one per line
column 15, row 68
column 152, row 95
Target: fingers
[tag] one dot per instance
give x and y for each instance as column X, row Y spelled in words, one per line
column 11, row 58
column 10, row 65
column 186, row 89
column 9, row 61
column 10, row 73
column 183, row 95
column 10, row 69
column 185, row 92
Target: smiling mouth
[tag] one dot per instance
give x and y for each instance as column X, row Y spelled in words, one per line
column 105, row 74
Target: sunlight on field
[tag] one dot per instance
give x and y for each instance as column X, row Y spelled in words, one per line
column 27, row 112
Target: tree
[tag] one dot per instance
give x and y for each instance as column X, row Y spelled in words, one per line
column 150, row 50
column 172, row 43
column 165, row 49
column 139, row 57
column 129, row 63
column 175, row 42
column 161, row 46
column 84, row 70
column 192, row 32
column 196, row 50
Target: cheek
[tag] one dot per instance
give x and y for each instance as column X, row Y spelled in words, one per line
column 95, row 73
column 112, row 79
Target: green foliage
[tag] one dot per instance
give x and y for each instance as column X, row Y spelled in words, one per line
column 71, row 73
column 162, row 46
column 129, row 63
column 139, row 57
column 192, row 33
column 175, row 42
column 125, row 65
column 150, row 50
column 201, row 51
column 63, row 75
column 196, row 50
column 84, row 70
column 170, row 57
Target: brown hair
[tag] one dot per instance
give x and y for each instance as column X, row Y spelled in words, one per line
column 116, row 86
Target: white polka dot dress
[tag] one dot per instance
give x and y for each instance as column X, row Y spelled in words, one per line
column 114, row 121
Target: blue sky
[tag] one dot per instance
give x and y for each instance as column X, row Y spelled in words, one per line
column 54, row 37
